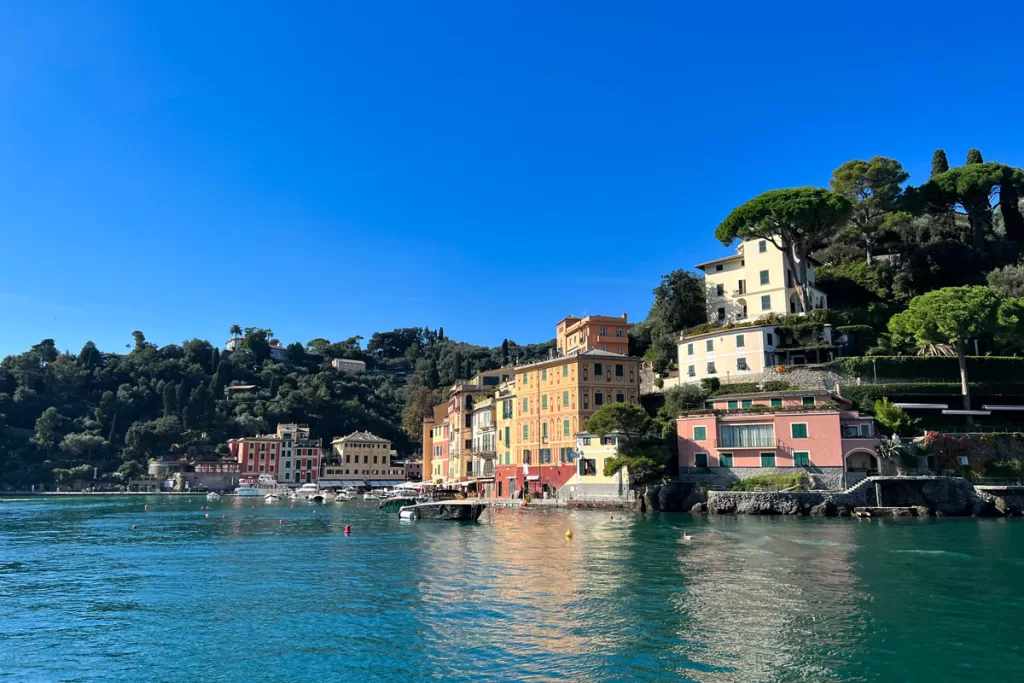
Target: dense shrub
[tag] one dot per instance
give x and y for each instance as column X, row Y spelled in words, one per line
column 865, row 395
column 979, row 368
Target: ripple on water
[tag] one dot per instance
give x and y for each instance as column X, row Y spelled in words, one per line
column 779, row 599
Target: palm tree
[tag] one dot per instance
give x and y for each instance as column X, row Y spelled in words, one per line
column 236, row 331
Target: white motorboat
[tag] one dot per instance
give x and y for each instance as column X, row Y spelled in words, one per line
column 264, row 486
column 372, row 495
column 346, row 495
column 212, row 495
column 271, row 498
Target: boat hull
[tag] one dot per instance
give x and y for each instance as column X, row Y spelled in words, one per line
column 449, row 510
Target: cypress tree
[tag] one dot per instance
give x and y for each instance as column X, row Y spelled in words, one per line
column 504, row 351
column 112, row 436
column 440, row 333
column 974, row 157
column 170, row 404
column 939, row 162
column 181, row 398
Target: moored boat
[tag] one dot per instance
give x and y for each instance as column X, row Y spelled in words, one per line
column 271, row 498
column 212, row 495
column 452, row 510
column 396, row 503
column 263, row 486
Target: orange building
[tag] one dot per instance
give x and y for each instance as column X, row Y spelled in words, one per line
column 550, row 402
column 594, row 332
column 435, row 444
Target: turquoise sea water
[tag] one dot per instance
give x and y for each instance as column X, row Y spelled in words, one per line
column 245, row 598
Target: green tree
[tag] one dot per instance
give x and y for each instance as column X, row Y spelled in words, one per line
column 625, row 418
column 954, row 316
column 968, row 191
column 51, row 428
column 81, row 445
column 679, row 302
column 874, row 189
column 796, row 221
column 939, row 162
column 235, row 331
column 894, row 418
column 1008, row 281
column 974, row 157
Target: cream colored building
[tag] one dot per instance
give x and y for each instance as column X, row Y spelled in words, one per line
column 754, row 282
column 361, row 459
column 350, row 365
column 729, row 355
column 590, row 480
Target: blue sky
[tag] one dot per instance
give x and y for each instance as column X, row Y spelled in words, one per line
column 336, row 168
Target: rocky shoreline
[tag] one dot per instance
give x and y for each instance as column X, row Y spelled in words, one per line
column 927, row 496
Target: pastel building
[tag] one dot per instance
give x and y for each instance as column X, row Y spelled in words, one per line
column 743, row 435
column 754, row 282
column 349, row 365
column 484, row 447
column 590, row 481
column 362, row 459
column 593, row 332
column 290, row 454
column 435, row 445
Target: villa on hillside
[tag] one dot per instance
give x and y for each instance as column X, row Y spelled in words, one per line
column 742, row 289
column 784, row 432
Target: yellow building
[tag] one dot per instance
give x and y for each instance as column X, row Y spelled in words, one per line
column 590, row 481
column 361, row 459
column 754, row 282
column 552, row 400
column 462, row 399
column 594, row 332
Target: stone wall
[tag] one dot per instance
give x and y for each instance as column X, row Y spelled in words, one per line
column 826, row 478
column 940, row 496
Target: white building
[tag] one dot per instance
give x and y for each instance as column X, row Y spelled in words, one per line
column 350, row 365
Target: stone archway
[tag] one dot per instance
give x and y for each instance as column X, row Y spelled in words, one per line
column 861, row 460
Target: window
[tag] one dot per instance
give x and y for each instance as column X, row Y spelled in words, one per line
column 766, row 302
column 718, row 269
column 544, row 402
column 565, row 427
column 801, row 459
column 719, row 290
column 544, row 374
column 544, row 431
column 709, row 405
column 598, row 399
column 710, row 345
column 776, row 403
column 565, row 371
column 603, row 331
column 721, row 315
column 620, row 398
column 526, row 405
column 767, row 460
column 746, row 403
column 789, row 279
column 700, row 433
column 764, row 277
column 807, row 400
column 725, row 459
column 598, row 369
column 769, row 338
column 748, row 436
column 711, row 368
column 762, row 246
column 618, row 331
column 691, row 370
column 798, row 430
column 526, row 378
column 865, row 429
column 731, row 405
column 375, row 460
column 700, row 460
column 526, row 432
column 689, row 349
column 619, row 370
column 741, row 364
column 740, row 342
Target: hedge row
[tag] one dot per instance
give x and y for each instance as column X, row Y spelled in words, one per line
column 979, row 368
column 864, row 396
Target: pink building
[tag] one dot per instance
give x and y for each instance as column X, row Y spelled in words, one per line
column 289, row 455
column 814, row 431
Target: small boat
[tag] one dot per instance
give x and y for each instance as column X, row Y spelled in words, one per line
column 371, row 495
column 212, row 496
column 396, row 503
column 271, row 498
column 452, row 510
column 263, row 486
column 345, row 495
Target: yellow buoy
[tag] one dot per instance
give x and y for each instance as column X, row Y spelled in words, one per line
column 568, row 534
